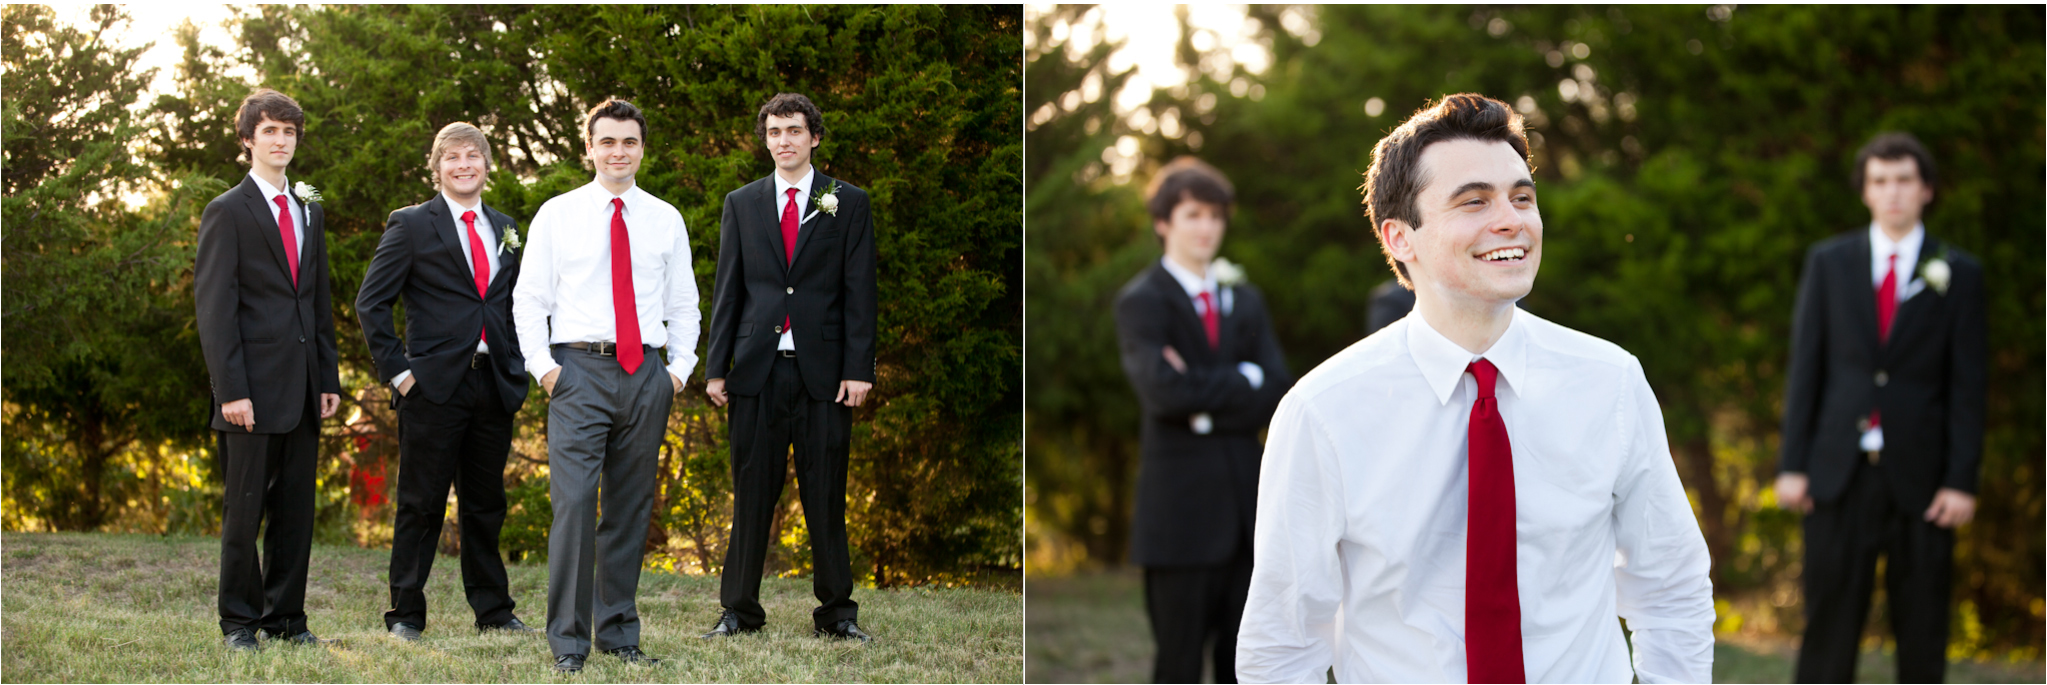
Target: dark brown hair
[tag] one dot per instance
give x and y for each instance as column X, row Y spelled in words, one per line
column 613, row 108
column 1894, row 145
column 1395, row 181
column 1186, row 179
column 789, row 105
column 264, row 102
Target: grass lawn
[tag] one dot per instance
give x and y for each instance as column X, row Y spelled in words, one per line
column 139, row 608
column 1092, row 629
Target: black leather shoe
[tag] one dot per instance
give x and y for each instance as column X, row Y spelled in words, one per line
column 308, row 639
column 844, row 630
column 728, row 625
column 513, row 626
column 568, row 663
column 405, row 631
column 631, row 654
column 241, row 640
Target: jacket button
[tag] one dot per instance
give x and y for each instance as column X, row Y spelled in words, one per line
column 778, row 330
column 302, row 338
column 1882, row 377
column 790, row 291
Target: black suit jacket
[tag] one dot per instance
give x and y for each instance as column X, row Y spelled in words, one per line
column 1196, row 494
column 264, row 339
column 1928, row 379
column 420, row 257
column 827, row 293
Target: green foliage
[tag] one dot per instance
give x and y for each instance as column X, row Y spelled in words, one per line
column 921, row 105
column 1687, row 158
column 94, row 288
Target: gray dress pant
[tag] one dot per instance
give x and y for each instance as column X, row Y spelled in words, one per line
column 604, row 435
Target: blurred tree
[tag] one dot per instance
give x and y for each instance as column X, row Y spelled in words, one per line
column 96, row 301
column 1687, row 156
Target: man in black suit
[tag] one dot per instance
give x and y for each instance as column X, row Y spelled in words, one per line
column 1883, row 419
column 1197, row 345
column 458, row 378
column 792, row 349
column 266, row 327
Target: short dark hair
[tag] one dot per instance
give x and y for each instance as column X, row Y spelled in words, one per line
column 613, row 108
column 1394, row 182
column 1893, row 145
column 1186, row 179
column 789, row 105
column 264, row 102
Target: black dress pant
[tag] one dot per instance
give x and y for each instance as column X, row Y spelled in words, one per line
column 764, row 427
column 269, row 475
column 1191, row 604
column 463, row 443
column 1842, row 542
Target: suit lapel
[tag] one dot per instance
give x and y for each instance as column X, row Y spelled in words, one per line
column 312, row 246
column 1861, row 294
column 1908, row 309
column 764, row 205
column 1182, row 306
column 508, row 257
column 259, row 212
column 804, row 229
column 442, row 215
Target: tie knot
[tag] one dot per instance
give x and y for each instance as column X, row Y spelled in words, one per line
column 791, row 192
column 1485, row 373
column 469, row 216
column 618, row 204
column 280, row 200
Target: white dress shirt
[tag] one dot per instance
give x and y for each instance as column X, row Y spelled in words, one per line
column 564, row 290
column 1362, row 510
column 1202, row 423
column 485, row 233
column 1881, row 247
column 782, row 200
column 298, row 211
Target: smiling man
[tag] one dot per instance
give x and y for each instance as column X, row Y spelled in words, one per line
column 1473, row 493
column 457, row 379
column 266, row 328
column 605, row 285
column 792, row 352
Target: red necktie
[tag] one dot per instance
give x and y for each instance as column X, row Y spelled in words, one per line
column 623, row 307
column 1492, row 603
column 291, row 242
column 789, row 242
column 1210, row 320
column 478, row 264
column 1887, row 300
column 1886, row 311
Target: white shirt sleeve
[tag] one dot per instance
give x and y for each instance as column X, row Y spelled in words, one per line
column 679, row 306
column 1661, row 571
column 1288, row 633
column 533, row 297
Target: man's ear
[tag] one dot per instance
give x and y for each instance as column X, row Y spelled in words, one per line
column 1397, row 236
column 1160, row 227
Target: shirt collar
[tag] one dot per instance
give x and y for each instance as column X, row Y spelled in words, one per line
column 270, row 192
column 1881, row 245
column 1194, row 285
column 801, row 185
column 603, row 197
column 1443, row 362
column 457, row 209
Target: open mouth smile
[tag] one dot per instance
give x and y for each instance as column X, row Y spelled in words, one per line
column 1505, row 254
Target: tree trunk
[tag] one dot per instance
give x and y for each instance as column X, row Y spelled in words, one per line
column 1695, row 463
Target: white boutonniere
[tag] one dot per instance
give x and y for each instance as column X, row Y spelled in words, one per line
column 306, row 192
column 826, row 200
column 1227, row 273
column 510, row 240
column 1937, row 272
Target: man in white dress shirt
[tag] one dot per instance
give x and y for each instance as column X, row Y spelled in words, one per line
column 1372, row 554
column 604, row 283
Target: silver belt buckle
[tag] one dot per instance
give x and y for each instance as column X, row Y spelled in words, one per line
column 788, row 354
column 478, row 360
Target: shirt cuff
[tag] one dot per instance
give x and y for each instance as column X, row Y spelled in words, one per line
column 1252, row 372
column 399, row 381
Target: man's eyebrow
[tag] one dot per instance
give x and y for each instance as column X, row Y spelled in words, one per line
column 1468, row 187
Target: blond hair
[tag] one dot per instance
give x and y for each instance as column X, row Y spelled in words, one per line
column 458, row 133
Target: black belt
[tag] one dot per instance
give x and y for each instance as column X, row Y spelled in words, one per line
column 602, row 349
column 791, row 354
column 480, row 360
